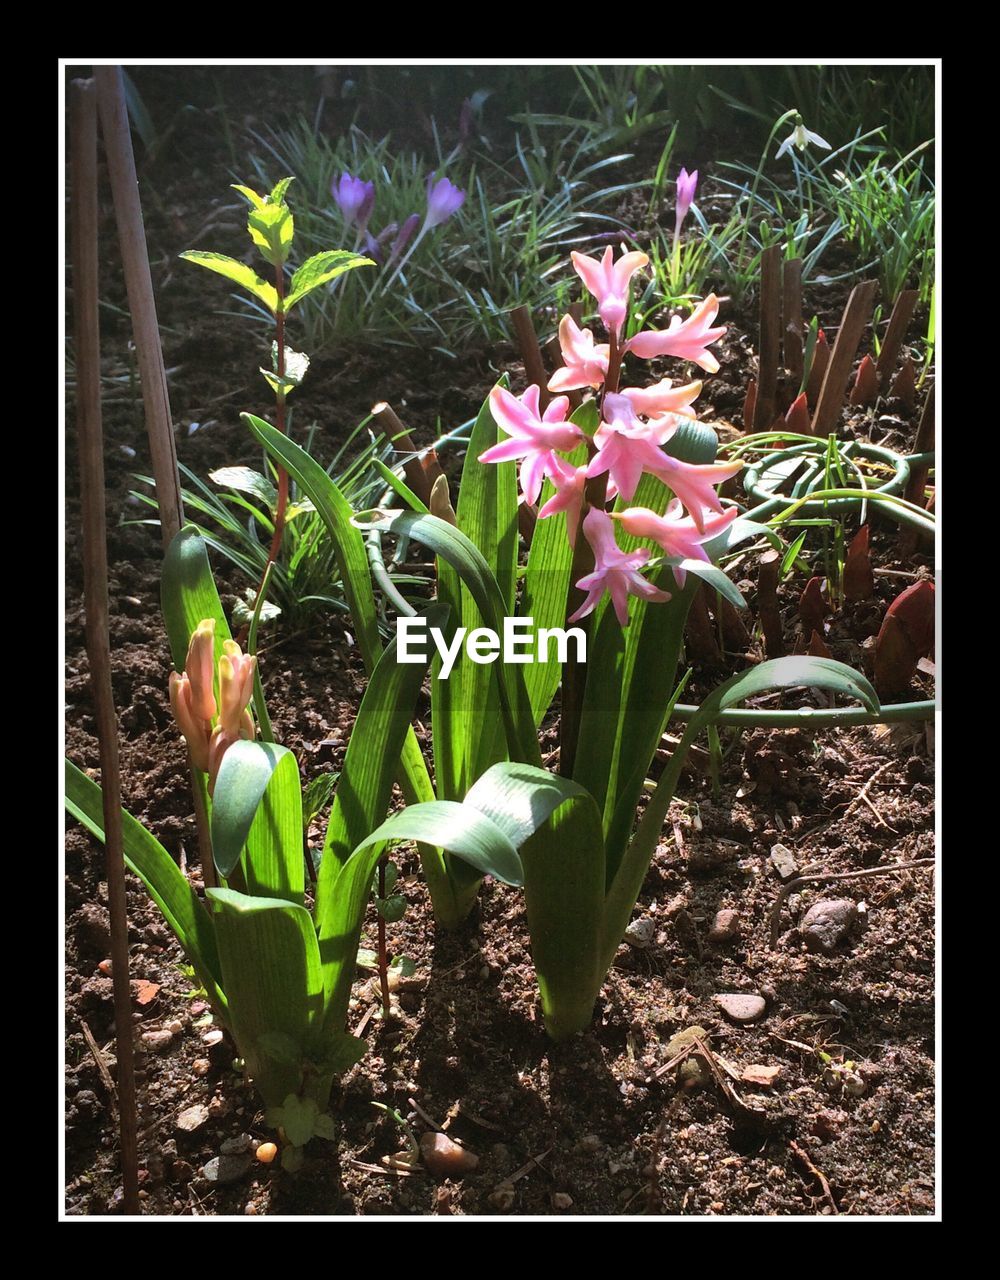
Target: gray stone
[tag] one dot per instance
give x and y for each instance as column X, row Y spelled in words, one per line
column 192, row 1118
column 226, row 1168
column 827, row 923
column 725, row 927
column 236, row 1146
column 640, row 933
column 783, row 861
column 741, row 1008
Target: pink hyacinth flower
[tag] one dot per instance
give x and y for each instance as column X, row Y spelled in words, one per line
column 663, row 398
column 609, row 283
column 585, row 364
column 694, row 483
column 686, row 339
column 677, row 535
column 570, row 483
column 615, row 571
column 534, row 437
column 626, row 447
column 199, row 667
column 196, row 729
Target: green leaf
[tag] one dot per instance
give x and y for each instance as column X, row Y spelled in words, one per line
column 272, row 228
column 297, row 1117
column 296, row 368
column 277, row 195
column 256, row 201
column 371, row 764
column 459, row 828
column 246, row 480
column 188, row 594
column 271, row 971
column 258, row 804
column 391, row 909
column 453, row 546
column 713, row 575
column 167, row 885
column 316, row 797
column 239, row 273
column 467, row 707
column 320, row 269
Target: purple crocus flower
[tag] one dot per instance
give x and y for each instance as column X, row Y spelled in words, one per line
column 403, row 238
column 686, row 184
column 443, row 199
column 355, row 199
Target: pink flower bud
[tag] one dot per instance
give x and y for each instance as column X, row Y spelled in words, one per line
column 195, row 729
column 199, row 667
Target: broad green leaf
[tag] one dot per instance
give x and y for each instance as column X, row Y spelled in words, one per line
column 713, row 575
column 167, row 885
column 239, row 273
column 246, row 480
column 466, row 706
column 546, row 580
column 741, row 530
column 258, row 805
column 277, row 195
column 296, row 368
column 272, row 229
column 320, row 269
column 315, row 797
column 461, row 829
column 453, row 546
column 188, row 594
column 371, row 764
column 271, row 971
column 779, row 673
column 256, row 201
column 564, row 879
column 519, row 798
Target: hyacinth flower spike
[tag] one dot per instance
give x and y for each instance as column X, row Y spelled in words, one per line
column 236, row 672
column 615, row 571
column 608, row 281
column 676, row 534
column 686, row 339
column 534, row 437
column 585, row 363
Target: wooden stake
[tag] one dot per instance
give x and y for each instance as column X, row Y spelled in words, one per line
column 83, row 142
column 791, row 318
column 770, row 337
column 767, row 604
column 699, row 633
column 420, row 476
column 899, row 321
column 857, row 313
column 924, row 443
column 142, row 304
column 531, row 353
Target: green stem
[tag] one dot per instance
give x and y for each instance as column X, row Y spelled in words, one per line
column 756, row 182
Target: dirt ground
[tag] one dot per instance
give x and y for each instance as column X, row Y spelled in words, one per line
column 825, row 1104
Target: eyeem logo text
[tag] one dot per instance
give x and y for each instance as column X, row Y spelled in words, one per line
column 519, row 643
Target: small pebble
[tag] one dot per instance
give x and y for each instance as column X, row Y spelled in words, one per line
column 590, row 1143
column 175, row 1027
column 201, row 1066
column 226, row 1168
column 683, row 1040
column 741, row 1008
column 157, row 1041
column 444, row 1158
column 827, row 923
column 212, row 1037
column 502, row 1198
column 763, row 1076
column 192, row 1118
column 783, row 861
column 725, row 927
column 560, row 1200
column 640, row 933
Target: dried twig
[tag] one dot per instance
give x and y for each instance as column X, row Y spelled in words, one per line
column 802, row 1158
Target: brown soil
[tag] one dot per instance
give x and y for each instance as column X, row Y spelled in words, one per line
column 588, row 1127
